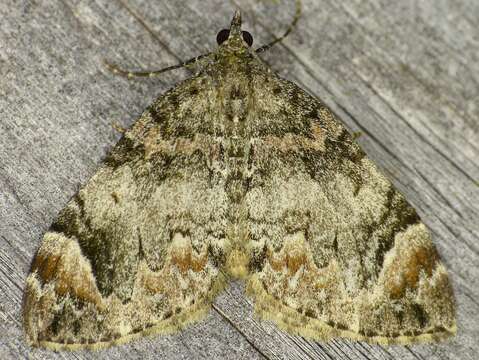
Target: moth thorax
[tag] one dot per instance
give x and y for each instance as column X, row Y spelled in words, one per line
column 237, row 153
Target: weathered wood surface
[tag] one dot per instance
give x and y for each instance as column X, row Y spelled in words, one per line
column 405, row 74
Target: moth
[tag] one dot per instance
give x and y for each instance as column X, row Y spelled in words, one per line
column 237, row 173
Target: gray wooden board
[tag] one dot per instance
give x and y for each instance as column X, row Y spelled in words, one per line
column 405, row 74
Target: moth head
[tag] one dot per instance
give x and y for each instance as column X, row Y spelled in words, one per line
column 234, row 35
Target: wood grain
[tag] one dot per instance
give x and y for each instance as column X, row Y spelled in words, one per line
column 405, row 74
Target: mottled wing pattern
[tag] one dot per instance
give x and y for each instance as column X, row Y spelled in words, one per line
column 130, row 255
column 237, row 172
column 335, row 249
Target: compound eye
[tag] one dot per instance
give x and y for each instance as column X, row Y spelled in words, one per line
column 222, row 36
column 248, row 38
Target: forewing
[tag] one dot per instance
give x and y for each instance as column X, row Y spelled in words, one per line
column 336, row 250
column 138, row 249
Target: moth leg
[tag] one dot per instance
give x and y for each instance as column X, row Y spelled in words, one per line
column 118, row 127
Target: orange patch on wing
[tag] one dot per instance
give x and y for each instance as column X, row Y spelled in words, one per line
column 184, row 257
column 45, row 266
column 185, row 260
column 294, row 271
column 292, row 256
column 406, row 268
column 66, row 268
